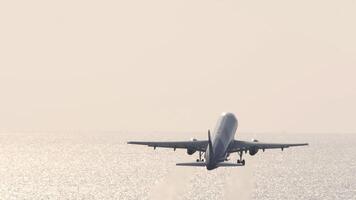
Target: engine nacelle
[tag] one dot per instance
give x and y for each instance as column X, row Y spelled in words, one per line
column 253, row 151
column 191, row 151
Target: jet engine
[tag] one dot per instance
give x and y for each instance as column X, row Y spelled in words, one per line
column 191, row 151
column 252, row 151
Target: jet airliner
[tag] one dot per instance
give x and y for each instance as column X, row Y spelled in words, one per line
column 216, row 149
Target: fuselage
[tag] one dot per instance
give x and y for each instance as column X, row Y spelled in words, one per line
column 223, row 134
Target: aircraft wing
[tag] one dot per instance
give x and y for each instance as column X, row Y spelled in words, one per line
column 199, row 145
column 238, row 145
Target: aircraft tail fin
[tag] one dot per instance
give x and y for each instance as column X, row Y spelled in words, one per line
column 210, row 144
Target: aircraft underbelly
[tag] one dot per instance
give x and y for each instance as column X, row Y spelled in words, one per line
column 220, row 150
column 222, row 141
column 224, row 134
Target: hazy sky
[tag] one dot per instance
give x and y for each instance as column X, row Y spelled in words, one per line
column 163, row 65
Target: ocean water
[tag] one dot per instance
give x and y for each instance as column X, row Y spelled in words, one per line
column 103, row 166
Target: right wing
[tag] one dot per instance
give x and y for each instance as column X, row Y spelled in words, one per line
column 199, row 145
column 238, row 145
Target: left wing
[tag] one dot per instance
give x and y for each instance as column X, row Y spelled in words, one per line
column 199, row 145
column 238, row 145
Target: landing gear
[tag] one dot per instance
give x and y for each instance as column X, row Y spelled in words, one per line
column 227, row 157
column 240, row 161
column 200, row 159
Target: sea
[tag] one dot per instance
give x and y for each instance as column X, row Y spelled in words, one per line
column 101, row 165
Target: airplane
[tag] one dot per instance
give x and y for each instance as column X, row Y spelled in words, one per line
column 218, row 149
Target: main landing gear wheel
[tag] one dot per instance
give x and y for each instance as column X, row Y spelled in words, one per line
column 200, row 159
column 240, row 161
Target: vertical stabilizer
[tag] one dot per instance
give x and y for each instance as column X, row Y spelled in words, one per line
column 210, row 144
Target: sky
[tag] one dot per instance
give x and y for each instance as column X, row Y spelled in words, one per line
column 174, row 66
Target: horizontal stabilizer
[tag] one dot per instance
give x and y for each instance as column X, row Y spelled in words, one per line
column 192, row 164
column 226, row 164
column 203, row 164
